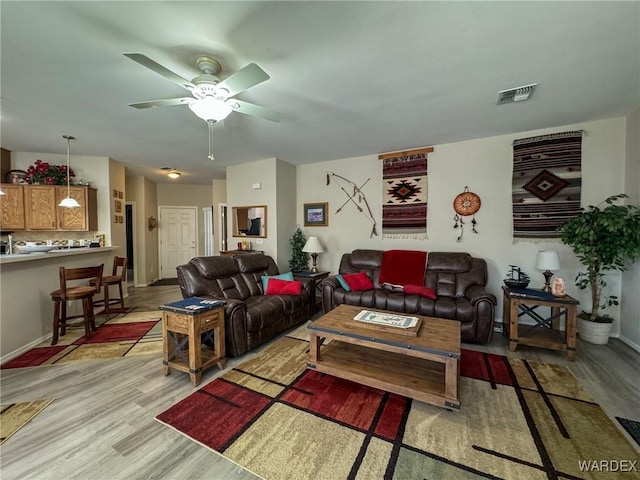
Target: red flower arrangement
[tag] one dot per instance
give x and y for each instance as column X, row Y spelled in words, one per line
column 44, row 173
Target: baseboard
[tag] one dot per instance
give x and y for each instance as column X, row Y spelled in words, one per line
column 631, row 343
column 23, row 349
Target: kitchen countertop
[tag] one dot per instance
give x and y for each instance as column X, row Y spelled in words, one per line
column 58, row 252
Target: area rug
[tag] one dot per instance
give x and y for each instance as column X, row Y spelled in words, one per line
column 632, row 427
column 546, row 183
column 14, row 416
column 518, row 420
column 137, row 332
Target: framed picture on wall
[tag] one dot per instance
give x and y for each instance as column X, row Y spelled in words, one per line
column 120, row 194
column 118, row 206
column 115, row 193
column 316, row 214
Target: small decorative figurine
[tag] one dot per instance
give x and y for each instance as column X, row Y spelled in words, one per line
column 558, row 287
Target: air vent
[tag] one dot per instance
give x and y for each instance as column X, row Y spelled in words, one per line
column 518, row 94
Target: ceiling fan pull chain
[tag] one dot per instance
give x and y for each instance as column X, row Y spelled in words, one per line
column 210, row 123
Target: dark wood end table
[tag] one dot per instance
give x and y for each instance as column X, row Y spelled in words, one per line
column 315, row 278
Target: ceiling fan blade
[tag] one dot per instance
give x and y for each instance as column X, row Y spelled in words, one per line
column 255, row 110
column 168, row 102
column 160, row 70
column 244, row 78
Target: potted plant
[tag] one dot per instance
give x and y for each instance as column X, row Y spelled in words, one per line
column 603, row 238
column 299, row 260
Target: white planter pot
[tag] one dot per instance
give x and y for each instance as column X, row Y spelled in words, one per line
column 594, row 332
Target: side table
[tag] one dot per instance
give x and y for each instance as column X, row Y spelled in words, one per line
column 314, row 277
column 546, row 332
column 183, row 323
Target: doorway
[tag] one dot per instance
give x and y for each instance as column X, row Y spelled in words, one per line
column 129, row 211
column 178, row 238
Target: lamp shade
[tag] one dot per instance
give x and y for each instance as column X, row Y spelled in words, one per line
column 312, row 246
column 547, row 260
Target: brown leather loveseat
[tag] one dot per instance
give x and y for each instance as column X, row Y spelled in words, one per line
column 459, row 281
column 251, row 317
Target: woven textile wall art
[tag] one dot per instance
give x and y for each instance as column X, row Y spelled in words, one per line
column 547, row 179
column 404, row 194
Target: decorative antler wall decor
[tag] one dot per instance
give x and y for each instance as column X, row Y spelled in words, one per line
column 357, row 192
column 465, row 204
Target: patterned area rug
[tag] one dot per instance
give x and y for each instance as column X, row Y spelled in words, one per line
column 518, row 420
column 137, row 332
column 14, row 416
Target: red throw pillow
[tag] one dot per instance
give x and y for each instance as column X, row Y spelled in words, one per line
column 358, row 281
column 420, row 290
column 276, row 286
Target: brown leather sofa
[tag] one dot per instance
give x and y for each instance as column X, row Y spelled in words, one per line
column 458, row 279
column 251, row 318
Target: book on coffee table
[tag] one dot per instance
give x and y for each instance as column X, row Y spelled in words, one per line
column 389, row 322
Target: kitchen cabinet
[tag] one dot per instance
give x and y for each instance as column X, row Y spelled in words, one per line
column 42, row 211
column 78, row 219
column 12, row 207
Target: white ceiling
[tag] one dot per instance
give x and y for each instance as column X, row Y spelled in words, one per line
column 351, row 78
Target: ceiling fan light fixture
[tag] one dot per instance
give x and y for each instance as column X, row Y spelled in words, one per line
column 210, row 109
column 174, row 174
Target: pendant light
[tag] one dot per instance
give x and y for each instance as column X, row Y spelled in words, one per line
column 69, row 202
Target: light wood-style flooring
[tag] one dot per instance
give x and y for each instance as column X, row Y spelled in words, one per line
column 101, row 424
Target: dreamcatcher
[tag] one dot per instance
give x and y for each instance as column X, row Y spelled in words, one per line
column 465, row 204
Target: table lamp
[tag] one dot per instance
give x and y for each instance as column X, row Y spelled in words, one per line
column 314, row 248
column 547, row 260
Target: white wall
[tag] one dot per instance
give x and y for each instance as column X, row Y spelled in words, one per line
column 630, row 322
column 485, row 165
column 240, row 179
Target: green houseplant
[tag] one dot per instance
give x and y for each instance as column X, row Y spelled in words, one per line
column 299, row 260
column 603, row 237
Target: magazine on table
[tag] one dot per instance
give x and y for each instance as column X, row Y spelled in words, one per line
column 192, row 305
column 387, row 319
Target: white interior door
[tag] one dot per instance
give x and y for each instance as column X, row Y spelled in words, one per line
column 178, row 238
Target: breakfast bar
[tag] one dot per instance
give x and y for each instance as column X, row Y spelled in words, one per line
column 26, row 281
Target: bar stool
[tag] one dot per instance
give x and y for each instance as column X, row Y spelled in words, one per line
column 117, row 277
column 70, row 290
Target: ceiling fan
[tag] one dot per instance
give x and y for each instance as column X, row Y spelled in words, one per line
column 212, row 99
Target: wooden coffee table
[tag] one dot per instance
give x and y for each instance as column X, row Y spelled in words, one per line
column 425, row 367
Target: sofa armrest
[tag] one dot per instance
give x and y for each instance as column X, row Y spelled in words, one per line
column 327, row 287
column 479, row 293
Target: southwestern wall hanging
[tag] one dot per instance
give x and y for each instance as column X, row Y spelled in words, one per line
column 404, row 194
column 546, row 185
column 465, row 204
column 356, row 197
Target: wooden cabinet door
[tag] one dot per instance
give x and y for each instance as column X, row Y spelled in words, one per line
column 12, row 207
column 72, row 218
column 40, row 207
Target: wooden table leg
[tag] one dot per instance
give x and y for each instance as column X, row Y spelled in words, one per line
column 195, row 352
column 165, row 345
column 314, row 347
column 570, row 331
column 451, row 378
column 505, row 315
column 513, row 324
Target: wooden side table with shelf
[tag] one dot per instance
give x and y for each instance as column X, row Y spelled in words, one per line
column 182, row 330
column 546, row 332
